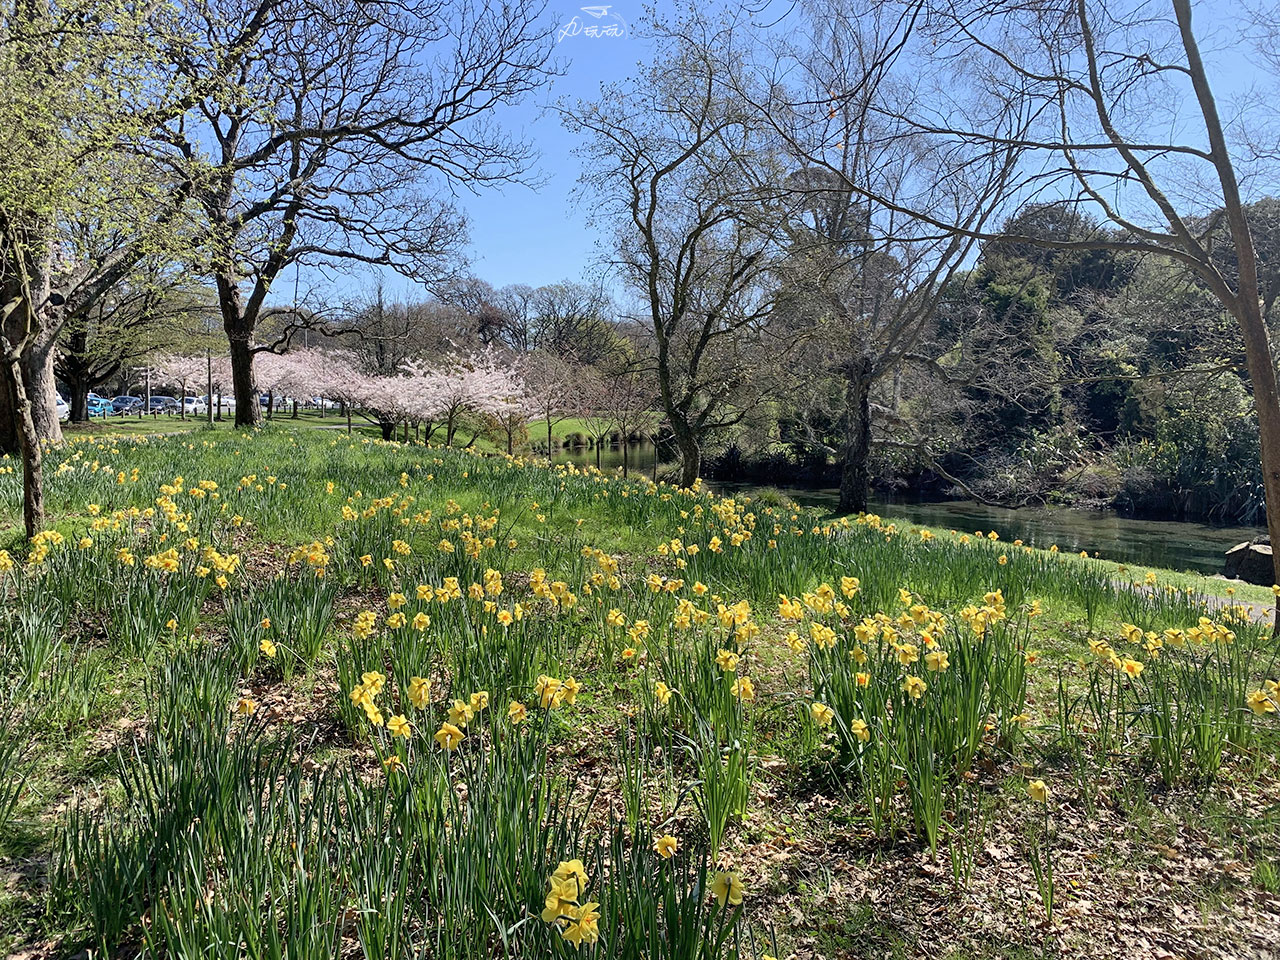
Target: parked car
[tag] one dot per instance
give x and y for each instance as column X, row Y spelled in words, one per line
column 64, row 408
column 194, row 406
column 100, row 406
column 163, row 405
column 227, row 402
column 126, row 404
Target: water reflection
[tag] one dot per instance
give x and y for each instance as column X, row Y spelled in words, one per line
column 1175, row 544
column 1157, row 543
column 640, row 457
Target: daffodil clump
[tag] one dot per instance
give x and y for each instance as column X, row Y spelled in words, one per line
column 566, row 906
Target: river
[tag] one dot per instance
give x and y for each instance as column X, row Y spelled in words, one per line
column 1177, row 545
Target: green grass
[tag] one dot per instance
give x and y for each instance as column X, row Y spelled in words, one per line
column 148, row 796
column 173, row 423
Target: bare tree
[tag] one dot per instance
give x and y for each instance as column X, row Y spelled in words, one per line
column 594, row 411
column 555, row 389
column 673, row 164
column 628, row 401
column 331, row 145
column 573, row 319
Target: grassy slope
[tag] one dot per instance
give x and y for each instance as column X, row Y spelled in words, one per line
column 831, row 911
column 1214, row 586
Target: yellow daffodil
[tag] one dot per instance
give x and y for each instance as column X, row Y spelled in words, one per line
column 1259, row 702
column 727, row 888
column 822, row 714
column 398, row 726
column 419, row 692
column 665, row 846
column 570, row 689
column 560, row 899
column 449, row 736
column 583, row 926
column 460, row 713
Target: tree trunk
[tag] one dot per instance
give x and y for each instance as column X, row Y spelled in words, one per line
column 41, row 389
column 79, row 401
column 1266, row 401
column 243, row 383
column 624, row 455
column 1248, row 302
column 19, row 403
column 10, row 437
column 74, row 370
column 295, row 409
column 388, row 429
column 855, row 474
column 690, row 448
column 549, row 454
column 271, row 404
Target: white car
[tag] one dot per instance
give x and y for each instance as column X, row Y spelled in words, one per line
column 228, row 403
column 194, row 406
column 64, row 408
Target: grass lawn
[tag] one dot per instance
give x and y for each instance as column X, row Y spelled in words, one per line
column 151, row 425
column 309, row 694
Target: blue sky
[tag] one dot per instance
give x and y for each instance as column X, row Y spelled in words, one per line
column 521, row 234
column 536, row 236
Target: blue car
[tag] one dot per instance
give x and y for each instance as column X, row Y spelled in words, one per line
column 100, row 406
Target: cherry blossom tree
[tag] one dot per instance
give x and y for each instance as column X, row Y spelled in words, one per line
column 414, row 393
column 176, row 370
column 482, row 383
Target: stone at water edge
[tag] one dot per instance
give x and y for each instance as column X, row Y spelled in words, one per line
column 1250, row 562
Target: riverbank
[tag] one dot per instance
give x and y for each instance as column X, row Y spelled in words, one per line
column 1185, row 546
